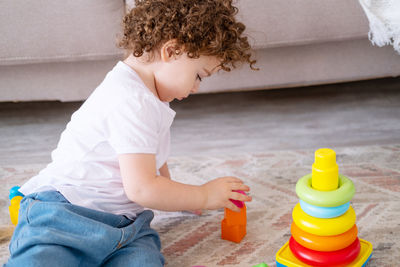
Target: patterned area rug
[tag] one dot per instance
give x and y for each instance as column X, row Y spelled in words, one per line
column 189, row 239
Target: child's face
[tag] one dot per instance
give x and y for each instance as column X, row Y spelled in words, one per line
column 179, row 76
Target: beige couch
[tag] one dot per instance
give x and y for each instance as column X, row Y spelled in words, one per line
column 60, row 50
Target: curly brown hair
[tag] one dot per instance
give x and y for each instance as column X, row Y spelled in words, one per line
column 200, row 27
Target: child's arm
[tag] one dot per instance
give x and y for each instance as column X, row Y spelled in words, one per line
column 143, row 186
column 164, row 171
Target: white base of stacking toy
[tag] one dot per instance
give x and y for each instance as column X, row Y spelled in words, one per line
column 285, row 257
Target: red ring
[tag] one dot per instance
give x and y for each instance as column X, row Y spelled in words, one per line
column 319, row 258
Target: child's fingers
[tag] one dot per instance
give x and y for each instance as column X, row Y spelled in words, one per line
column 240, row 186
column 232, row 179
column 240, row 197
column 232, row 206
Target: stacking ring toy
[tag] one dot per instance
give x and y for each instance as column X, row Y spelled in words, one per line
column 331, row 258
column 324, row 243
column 334, row 198
column 324, row 212
column 325, row 227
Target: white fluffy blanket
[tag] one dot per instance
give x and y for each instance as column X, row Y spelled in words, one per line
column 384, row 22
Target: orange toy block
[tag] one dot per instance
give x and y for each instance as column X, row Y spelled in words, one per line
column 236, row 218
column 233, row 226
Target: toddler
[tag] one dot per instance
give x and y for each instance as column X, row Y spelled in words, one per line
column 86, row 208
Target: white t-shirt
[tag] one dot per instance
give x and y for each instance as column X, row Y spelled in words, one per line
column 121, row 116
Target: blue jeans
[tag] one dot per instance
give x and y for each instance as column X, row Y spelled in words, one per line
column 53, row 232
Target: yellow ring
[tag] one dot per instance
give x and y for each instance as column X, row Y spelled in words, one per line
column 324, row 227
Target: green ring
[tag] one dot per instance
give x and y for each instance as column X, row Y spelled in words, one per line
column 333, row 198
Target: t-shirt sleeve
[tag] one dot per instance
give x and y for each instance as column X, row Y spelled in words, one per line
column 133, row 126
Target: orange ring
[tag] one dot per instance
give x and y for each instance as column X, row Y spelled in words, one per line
column 324, row 243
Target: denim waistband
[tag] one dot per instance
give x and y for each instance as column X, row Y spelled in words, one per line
column 114, row 220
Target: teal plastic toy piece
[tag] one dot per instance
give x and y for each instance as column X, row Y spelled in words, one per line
column 14, row 192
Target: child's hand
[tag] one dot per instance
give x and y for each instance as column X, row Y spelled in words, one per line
column 219, row 191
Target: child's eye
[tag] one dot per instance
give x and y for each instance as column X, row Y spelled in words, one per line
column 198, row 77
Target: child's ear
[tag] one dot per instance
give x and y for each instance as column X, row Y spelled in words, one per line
column 169, row 51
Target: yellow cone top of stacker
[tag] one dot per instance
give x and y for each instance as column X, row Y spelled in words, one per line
column 325, row 171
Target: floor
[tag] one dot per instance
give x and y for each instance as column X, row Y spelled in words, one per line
column 337, row 115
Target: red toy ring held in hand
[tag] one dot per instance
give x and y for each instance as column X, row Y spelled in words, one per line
column 238, row 203
column 319, row 258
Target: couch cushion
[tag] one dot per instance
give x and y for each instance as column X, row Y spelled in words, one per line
column 280, row 23
column 304, row 65
column 48, row 31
